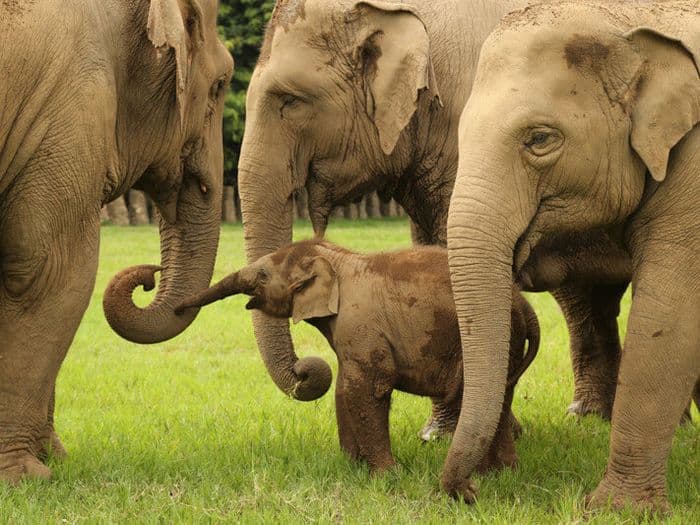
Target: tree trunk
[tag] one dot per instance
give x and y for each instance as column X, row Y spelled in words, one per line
column 350, row 211
column 118, row 214
column 372, row 205
column 138, row 208
column 384, row 208
column 228, row 208
column 362, row 208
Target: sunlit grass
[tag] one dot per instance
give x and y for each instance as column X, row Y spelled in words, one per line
column 194, row 430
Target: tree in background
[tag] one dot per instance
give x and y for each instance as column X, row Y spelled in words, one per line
column 241, row 26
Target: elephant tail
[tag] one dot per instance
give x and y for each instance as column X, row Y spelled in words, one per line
column 533, row 341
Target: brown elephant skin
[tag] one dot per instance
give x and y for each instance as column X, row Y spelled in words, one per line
column 391, row 321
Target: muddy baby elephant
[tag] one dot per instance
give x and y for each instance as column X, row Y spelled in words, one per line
column 391, row 320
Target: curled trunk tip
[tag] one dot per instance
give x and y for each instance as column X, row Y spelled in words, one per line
column 152, row 324
column 314, row 378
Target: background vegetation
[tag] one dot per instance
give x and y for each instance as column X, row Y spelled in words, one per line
column 193, row 430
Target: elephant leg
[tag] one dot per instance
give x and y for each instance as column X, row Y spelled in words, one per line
column 48, row 271
column 659, row 368
column 345, row 431
column 52, row 447
column 591, row 317
column 442, row 421
column 367, row 406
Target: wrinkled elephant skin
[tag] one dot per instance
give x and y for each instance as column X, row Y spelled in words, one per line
column 583, row 119
column 117, row 94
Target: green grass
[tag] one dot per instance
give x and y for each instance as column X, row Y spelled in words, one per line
column 194, row 430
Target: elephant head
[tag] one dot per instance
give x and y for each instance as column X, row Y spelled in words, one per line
column 294, row 281
column 334, row 88
column 573, row 114
column 291, row 282
column 172, row 81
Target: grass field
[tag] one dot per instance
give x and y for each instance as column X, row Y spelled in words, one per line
column 193, row 430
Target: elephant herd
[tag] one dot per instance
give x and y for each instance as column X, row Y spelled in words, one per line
column 553, row 146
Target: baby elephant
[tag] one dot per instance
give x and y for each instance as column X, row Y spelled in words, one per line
column 391, row 320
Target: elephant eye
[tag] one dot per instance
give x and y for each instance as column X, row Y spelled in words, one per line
column 218, row 88
column 541, row 142
column 538, row 138
column 292, row 106
column 263, row 276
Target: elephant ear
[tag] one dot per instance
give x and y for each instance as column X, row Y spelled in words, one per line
column 667, row 103
column 315, row 294
column 394, row 60
column 177, row 25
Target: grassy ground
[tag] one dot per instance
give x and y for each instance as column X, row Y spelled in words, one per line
column 194, row 430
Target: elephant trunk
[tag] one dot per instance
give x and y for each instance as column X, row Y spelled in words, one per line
column 188, row 251
column 485, row 222
column 266, row 204
column 230, row 285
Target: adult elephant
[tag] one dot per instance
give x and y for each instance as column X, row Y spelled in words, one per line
column 584, row 116
column 350, row 96
column 98, row 97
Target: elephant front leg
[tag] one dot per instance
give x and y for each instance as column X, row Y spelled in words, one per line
column 52, row 446
column 48, row 275
column 367, row 403
column 659, row 368
column 591, row 317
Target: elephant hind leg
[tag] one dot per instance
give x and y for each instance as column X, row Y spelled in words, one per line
column 442, row 421
column 591, row 317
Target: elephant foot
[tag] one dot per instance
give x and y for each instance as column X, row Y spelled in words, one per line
column 376, row 468
column 53, row 448
column 442, row 422
column 649, row 501
column 465, row 491
column 18, row 466
column 432, row 430
column 591, row 405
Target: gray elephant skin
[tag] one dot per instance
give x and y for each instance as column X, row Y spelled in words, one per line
column 97, row 97
column 584, row 116
column 350, row 96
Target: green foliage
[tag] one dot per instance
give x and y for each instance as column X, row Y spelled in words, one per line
column 193, row 430
column 241, row 26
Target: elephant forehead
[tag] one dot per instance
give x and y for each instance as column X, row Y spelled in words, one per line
column 291, row 25
column 286, row 12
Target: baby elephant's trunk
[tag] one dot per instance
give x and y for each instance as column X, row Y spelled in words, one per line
column 228, row 286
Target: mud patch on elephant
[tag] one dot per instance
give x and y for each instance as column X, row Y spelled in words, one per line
column 285, row 13
column 443, row 340
column 586, row 51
